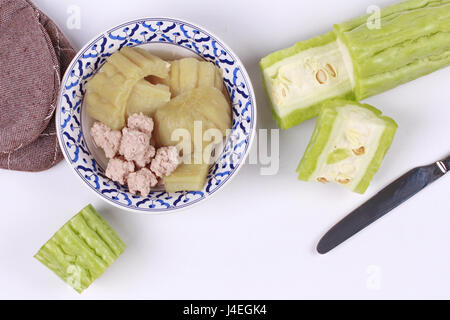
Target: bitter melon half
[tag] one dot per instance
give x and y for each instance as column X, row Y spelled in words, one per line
column 358, row 59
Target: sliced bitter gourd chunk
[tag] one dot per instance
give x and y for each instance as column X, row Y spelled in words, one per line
column 108, row 92
column 102, row 110
column 218, row 81
column 298, row 79
column 348, row 145
column 115, row 88
column 147, row 98
column 188, row 177
column 189, row 73
column 206, row 107
column 82, row 249
column 150, row 65
column 174, row 81
column 126, row 66
column 206, row 74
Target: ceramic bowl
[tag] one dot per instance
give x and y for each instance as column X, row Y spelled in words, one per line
column 169, row 39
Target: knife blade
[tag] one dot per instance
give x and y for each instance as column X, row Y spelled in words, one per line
column 384, row 201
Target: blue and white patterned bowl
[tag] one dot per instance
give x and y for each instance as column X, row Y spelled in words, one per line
column 168, row 38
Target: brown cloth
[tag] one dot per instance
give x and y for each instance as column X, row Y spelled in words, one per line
column 33, row 57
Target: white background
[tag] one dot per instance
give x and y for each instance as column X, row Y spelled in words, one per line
column 256, row 238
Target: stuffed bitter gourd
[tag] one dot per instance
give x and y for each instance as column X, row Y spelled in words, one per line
column 413, row 39
column 82, row 249
column 348, row 145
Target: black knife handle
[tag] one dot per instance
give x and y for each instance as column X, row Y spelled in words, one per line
column 447, row 163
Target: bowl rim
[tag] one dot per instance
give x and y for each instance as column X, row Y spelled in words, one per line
column 252, row 98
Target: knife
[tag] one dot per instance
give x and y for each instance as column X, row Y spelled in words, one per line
column 384, row 201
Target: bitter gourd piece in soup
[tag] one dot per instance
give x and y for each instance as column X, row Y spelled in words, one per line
column 147, row 98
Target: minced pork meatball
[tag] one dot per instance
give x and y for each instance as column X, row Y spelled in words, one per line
column 142, row 181
column 165, row 161
column 105, row 138
column 135, row 146
column 141, row 123
column 119, row 169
